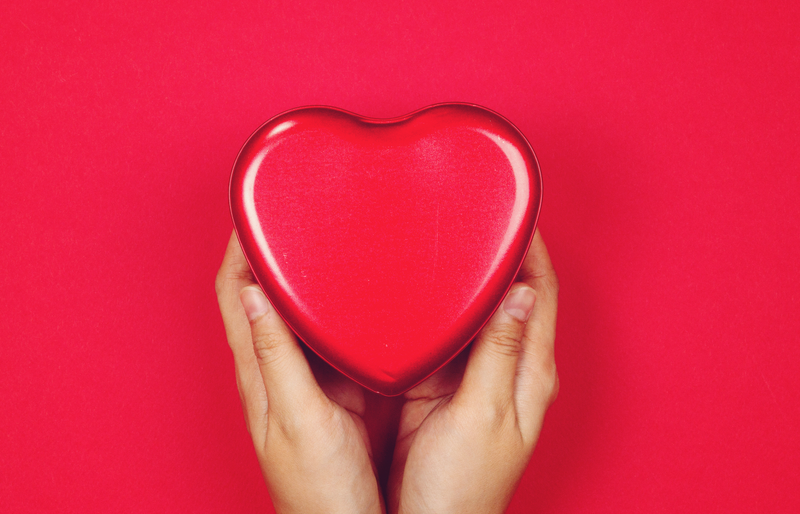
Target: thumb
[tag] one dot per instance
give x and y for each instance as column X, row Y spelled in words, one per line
column 492, row 364
column 287, row 376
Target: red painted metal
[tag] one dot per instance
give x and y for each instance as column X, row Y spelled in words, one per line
column 386, row 244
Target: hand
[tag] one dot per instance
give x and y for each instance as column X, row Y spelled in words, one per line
column 310, row 437
column 466, row 434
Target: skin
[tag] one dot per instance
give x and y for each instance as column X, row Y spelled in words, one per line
column 465, row 434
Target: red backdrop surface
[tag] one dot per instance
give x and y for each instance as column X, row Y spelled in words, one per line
column 668, row 137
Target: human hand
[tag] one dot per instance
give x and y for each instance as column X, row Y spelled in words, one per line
column 308, row 430
column 466, row 433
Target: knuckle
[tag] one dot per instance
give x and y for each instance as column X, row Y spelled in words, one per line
column 228, row 279
column 267, row 347
column 504, row 341
column 498, row 416
column 554, row 283
column 548, row 381
column 540, row 363
column 555, row 388
column 219, row 282
column 545, row 279
column 551, row 281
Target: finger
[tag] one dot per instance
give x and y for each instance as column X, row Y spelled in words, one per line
column 340, row 389
column 537, row 380
column 289, row 382
column 443, row 383
column 432, row 393
column 233, row 275
column 492, row 365
column 537, row 270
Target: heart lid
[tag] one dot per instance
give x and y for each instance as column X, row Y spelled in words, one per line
column 386, row 244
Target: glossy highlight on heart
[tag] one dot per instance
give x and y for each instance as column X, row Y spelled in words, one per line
column 386, row 244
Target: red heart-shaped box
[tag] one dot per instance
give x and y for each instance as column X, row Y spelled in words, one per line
column 386, row 244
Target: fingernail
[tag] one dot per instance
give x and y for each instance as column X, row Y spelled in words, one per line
column 254, row 302
column 519, row 303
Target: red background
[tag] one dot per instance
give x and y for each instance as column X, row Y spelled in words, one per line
column 668, row 139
